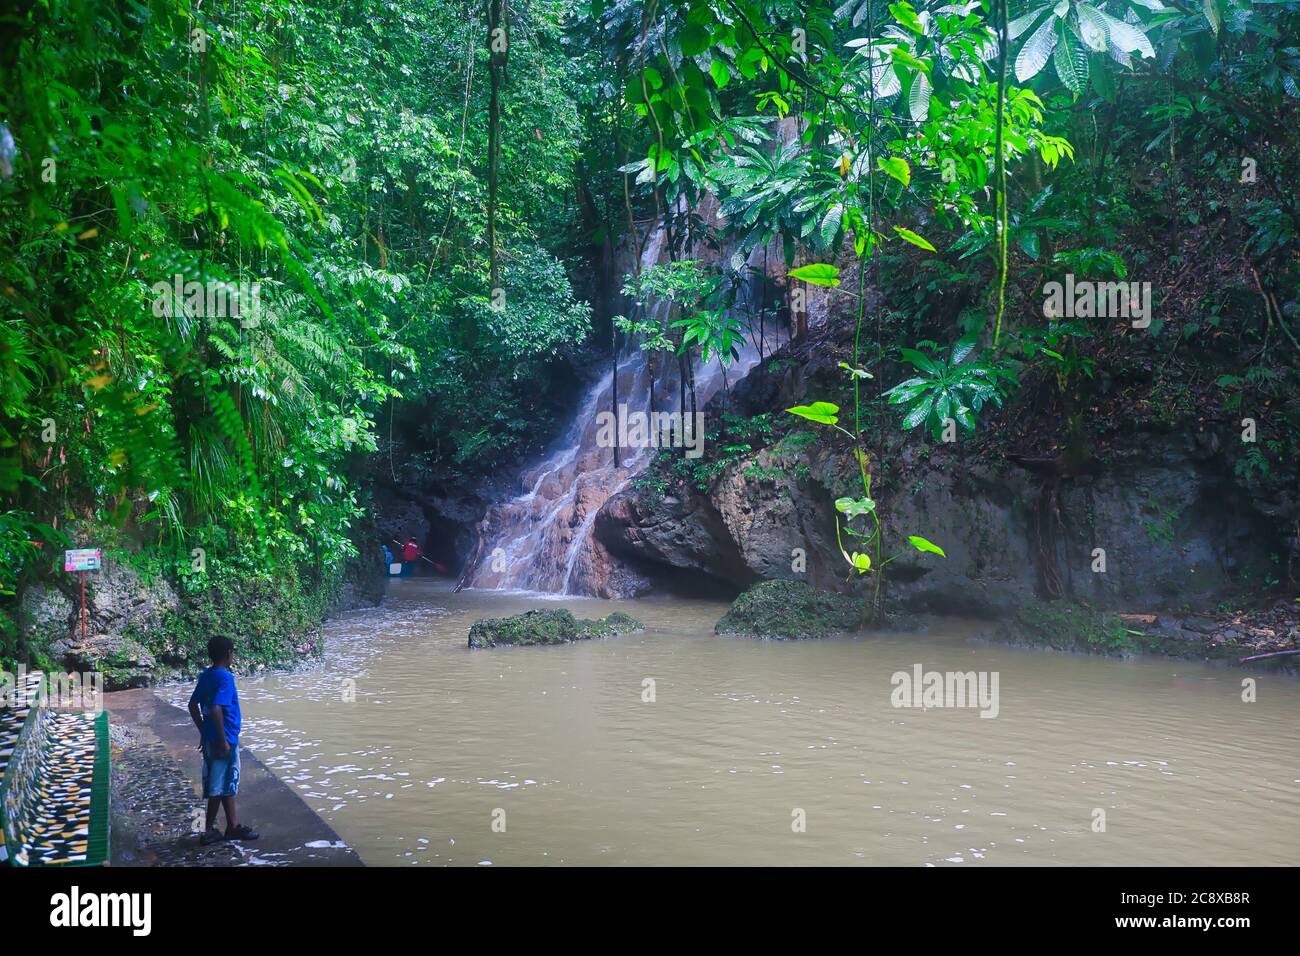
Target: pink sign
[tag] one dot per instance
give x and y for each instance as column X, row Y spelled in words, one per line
column 84, row 559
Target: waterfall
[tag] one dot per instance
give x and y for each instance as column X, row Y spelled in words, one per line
column 542, row 539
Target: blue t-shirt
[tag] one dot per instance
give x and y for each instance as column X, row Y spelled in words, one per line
column 216, row 687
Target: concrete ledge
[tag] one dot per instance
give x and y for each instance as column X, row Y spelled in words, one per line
column 156, row 790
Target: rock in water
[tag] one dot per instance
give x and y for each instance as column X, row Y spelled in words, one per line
column 789, row 610
column 611, row 626
column 547, row 627
column 531, row 627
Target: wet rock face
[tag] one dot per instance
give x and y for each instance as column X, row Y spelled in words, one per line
column 790, row 610
column 139, row 630
column 122, row 600
column 685, row 533
column 46, row 614
column 547, row 627
column 607, row 576
column 365, row 577
column 123, row 611
column 123, row 662
column 984, row 521
column 1152, row 529
column 1166, row 525
column 789, row 526
column 1161, row 508
column 118, row 599
column 397, row 519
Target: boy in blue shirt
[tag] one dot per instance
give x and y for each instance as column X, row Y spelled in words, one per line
column 214, row 707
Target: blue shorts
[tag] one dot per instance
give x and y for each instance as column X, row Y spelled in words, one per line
column 220, row 774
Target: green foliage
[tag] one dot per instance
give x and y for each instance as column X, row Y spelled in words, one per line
column 705, row 323
column 272, row 615
column 336, row 156
column 536, row 316
column 334, row 240
column 789, row 610
column 1071, row 33
column 825, row 413
column 1160, row 523
column 817, row 274
column 955, row 388
column 1067, row 626
column 684, row 283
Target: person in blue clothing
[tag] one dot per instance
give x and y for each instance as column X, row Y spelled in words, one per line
column 214, row 707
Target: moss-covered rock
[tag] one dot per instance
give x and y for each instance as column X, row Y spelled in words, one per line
column 547, row 627
column 274, row 618
column 611, row 626
column 363, row 580
column 531, row 627
column 789, row 610
column 1066, row 626
column 144, row 625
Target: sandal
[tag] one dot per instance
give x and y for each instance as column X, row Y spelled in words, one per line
column 242, row 832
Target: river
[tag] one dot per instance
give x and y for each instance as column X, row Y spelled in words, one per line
column 756, row 752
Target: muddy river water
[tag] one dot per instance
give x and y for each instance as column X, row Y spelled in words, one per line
column 676, row 746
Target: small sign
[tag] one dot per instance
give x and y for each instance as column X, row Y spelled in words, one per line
column 83, row 559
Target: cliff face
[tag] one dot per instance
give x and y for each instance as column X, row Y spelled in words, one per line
column 142, row 626
column 1153, row 518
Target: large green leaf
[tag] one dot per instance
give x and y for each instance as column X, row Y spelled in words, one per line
column 825, row 413
column 1071, row 61
column 1033, row 55
column 831, row 223
column 923, row 545
column 854, row 507
column 1213, row 15
column 694, row 39
column 1101, row 78
column 965, row 345
column 920, row 360
column 1127, row 37
column 1028, row 239
column 918, row 97
column 918, row 413
column 721, row 75
column 916, row 240
column 817, row 273
column 906, row 17
column 1022, row 23
column 1092, row 27
column 896, row 167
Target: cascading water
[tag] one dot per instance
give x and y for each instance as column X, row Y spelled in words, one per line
column 542, row 540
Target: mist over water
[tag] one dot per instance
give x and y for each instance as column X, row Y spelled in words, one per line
column 743, row 733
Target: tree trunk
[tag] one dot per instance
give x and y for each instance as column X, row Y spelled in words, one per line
column 762, row 309
column 690, row 367
column 798, row 296
column 497, row 53
column 613, row 383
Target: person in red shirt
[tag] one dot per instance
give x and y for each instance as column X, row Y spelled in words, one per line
column 410, row 555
